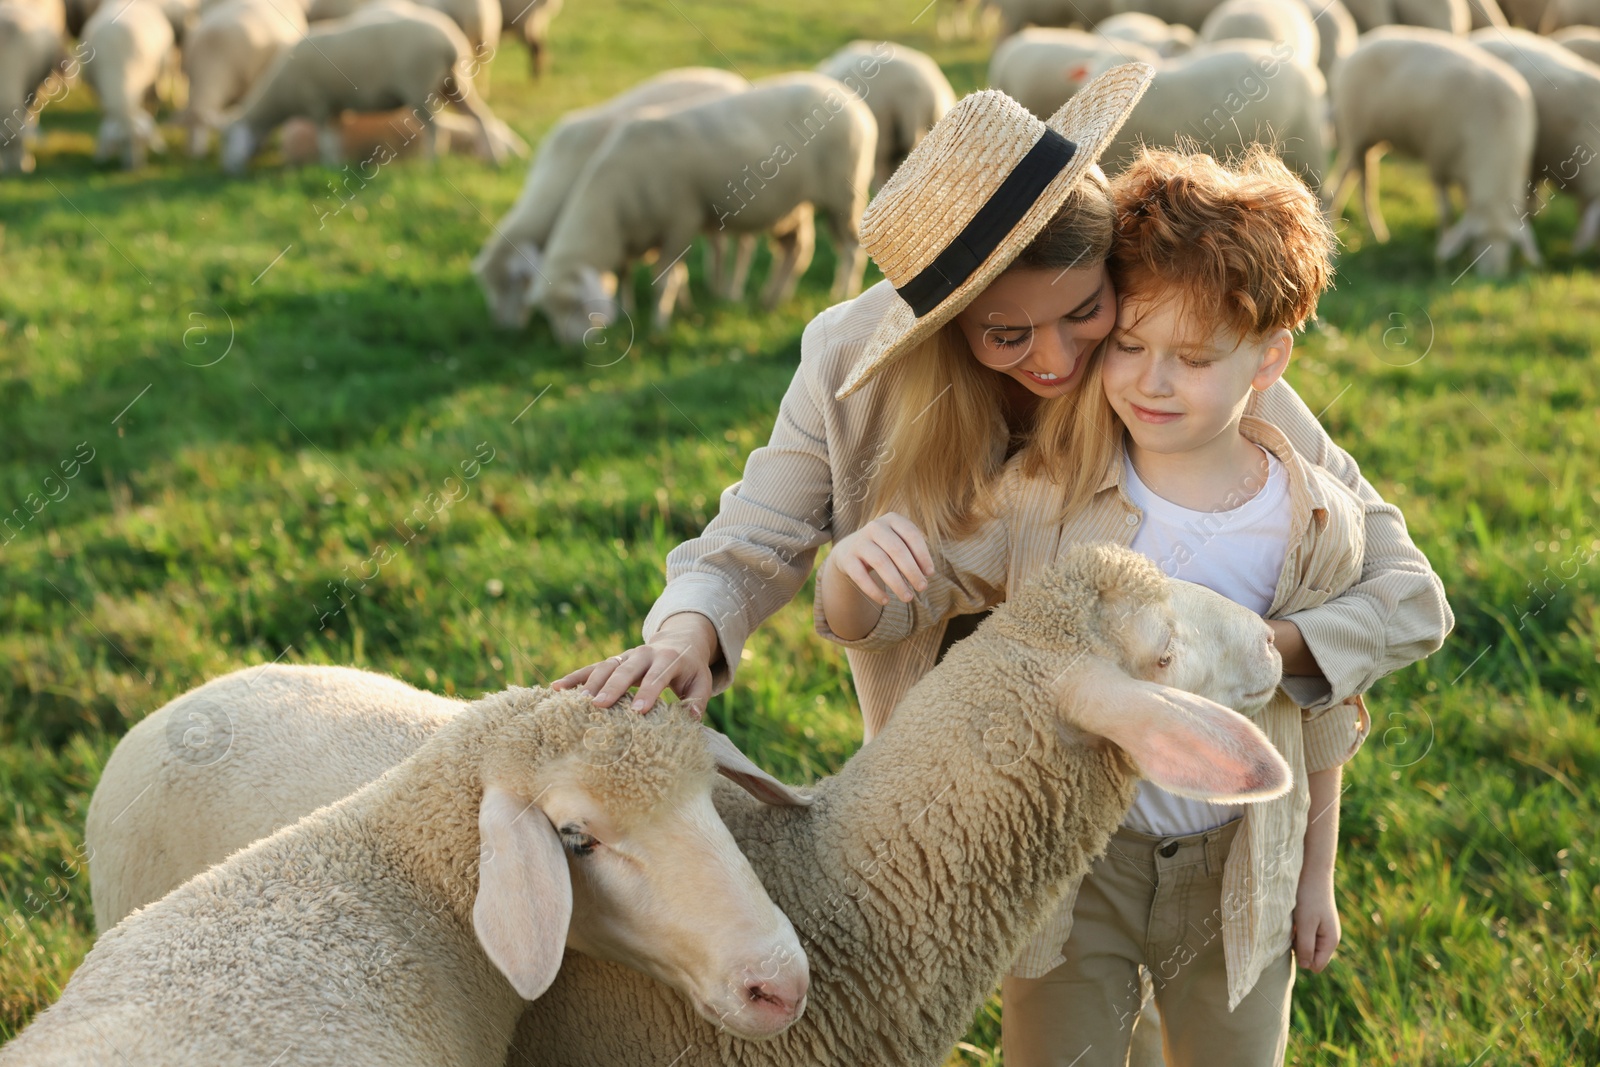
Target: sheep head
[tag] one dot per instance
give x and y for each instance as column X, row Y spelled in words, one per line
column 1152, row 665
column 611, row 811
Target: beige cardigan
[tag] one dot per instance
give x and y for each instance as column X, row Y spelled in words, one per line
column 1324, row 559
column 808, row 484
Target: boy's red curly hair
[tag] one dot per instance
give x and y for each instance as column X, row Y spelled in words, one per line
column 1246, row 244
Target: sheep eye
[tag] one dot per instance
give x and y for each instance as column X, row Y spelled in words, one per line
column 1165, row 661
column 576, row 841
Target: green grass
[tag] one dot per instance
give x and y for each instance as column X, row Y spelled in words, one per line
column 357, row 372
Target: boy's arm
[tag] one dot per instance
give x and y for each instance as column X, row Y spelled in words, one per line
column 1395, row 614
column 1316, row 913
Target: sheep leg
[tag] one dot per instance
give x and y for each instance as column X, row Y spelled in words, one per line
column 1441, row 193
column 744, row 255
column 1369, row 193
column 1453, row 239
column 852, row 258
column 330, row 141
column 791, row 255
column 458, row 90
column 666, row 286
column 1588, row 227
column 1336, row 190
column 625, row 295
column 1530, row 248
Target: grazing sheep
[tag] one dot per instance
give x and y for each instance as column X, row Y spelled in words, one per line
column 32, row 48
column 1285, row 21
column 990, row 790
column 408, row 923
column 508, row 263
column 128, row 47
column 1582, row 40
column 905, row 89
column 1468, row 116
column 1164, row 39
column 1222, row 97
column 531, row 20
column 1042, row 68
column 1015, row 15
column 390, row 53
column 1451, row 16
column 1566, row 97
column 229, row 48
column 659, row 180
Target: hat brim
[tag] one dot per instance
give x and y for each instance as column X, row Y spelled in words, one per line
column 1089, row 120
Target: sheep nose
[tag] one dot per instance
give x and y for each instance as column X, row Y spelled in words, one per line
column 1272, row 637
column 784, row 996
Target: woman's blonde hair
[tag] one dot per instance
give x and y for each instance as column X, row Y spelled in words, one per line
column 945, row 436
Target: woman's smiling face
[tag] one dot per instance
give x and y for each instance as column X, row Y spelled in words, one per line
column 1039, row 326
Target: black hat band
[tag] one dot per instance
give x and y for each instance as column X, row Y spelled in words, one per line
column 989, row 226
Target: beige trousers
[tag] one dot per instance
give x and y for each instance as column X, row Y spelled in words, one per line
column 1155, row 902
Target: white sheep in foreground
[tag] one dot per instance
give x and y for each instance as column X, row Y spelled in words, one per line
column 530, row 20
column 1566, row 97
column 1466, row 115
column 227, row 51
column 32, row 50
column 1016, row 15
column 659, row 180
column 390, row 53
column 1285, row 21
column 991, row 789
column 128, row 46
column 408, row 923
column 1223, row 97
column 1042, row 68
column 1164, row 38
column 905, row 89
column 508, row 264
column 1581, row 40
column 1451, row 16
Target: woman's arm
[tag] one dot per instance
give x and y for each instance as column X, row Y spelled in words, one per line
column 1396, row 614
column 750, row 560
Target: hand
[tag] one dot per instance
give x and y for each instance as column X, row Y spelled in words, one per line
column 889, row 547
column 679, row 657
column 1316, row 924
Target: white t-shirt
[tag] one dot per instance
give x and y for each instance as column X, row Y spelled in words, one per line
column 1238, row 553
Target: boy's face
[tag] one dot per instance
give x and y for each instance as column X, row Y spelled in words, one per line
column 1177, row 388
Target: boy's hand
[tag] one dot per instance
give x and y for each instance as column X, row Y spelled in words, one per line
column 890, row 547
column 1316, row 923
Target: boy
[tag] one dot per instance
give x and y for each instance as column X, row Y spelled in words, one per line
column 1215, row 266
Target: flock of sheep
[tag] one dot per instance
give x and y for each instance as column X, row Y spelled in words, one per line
column 1497, row 114
column 311, row 865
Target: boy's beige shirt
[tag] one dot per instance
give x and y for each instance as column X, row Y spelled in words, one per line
column 808, row 486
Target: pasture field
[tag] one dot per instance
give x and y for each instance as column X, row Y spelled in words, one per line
column 261, row 400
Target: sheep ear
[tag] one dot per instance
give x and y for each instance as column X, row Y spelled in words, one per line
column 524, row 900
column 1184, row 743
column 742, row 771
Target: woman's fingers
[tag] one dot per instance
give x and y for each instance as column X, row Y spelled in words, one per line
column 904, row 559
column 576, row 678
column 625, row 672
column 913, row 539
column 859, row 567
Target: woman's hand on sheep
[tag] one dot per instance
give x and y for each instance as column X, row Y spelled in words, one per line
column 890, row 547
column 678, row 657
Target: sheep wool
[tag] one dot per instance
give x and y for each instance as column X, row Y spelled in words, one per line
column 128, row 45
column 348, row 937
column 904, row 88
column 923, row 865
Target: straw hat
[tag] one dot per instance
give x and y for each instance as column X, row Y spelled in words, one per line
column 972, row 195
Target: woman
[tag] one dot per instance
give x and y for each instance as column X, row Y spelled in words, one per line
column 992, row 237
